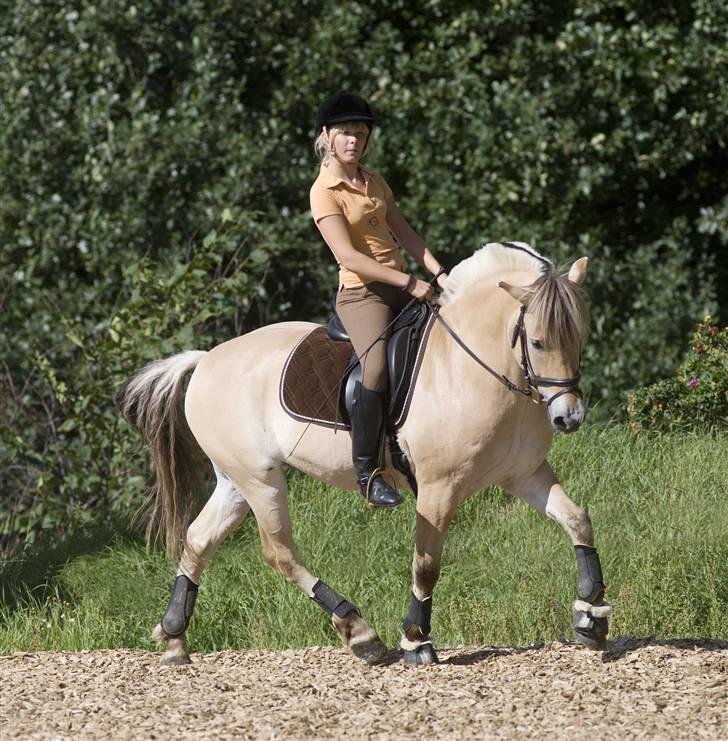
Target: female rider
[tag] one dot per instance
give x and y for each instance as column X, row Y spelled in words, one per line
column 358, row 218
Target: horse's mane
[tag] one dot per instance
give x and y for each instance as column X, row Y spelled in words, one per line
column 492, row 258
column 558, row 304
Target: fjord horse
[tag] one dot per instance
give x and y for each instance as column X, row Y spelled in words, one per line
column 509, row 333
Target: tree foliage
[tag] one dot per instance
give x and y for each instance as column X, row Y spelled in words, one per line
column 155, row 161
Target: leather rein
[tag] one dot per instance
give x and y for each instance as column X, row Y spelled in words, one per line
column 533, row 380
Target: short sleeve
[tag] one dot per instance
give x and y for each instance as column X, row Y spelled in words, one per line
column 323, row 202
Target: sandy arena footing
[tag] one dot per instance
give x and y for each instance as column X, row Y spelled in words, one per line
column 637, row 689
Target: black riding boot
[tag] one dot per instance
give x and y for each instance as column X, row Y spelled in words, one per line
column 367, row 424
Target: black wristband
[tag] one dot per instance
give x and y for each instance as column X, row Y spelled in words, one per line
column 411, row 283
column 441, row 271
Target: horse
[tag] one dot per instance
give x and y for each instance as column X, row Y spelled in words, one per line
column 506, row 313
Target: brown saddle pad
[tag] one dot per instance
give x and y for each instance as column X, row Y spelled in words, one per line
column 311, row 379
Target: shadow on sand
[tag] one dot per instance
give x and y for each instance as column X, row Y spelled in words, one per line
column 621, row 647
column 616, row 649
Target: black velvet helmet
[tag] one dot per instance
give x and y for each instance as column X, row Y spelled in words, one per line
column 343, row 107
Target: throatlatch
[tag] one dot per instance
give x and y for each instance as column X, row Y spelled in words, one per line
column 333, row 603
column 180, row 607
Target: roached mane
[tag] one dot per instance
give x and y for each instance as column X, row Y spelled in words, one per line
column 558, row 305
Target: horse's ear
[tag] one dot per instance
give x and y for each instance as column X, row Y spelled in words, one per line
column 520, row 294
column 577, row 273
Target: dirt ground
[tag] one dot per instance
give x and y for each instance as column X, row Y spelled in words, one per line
column 641, row 689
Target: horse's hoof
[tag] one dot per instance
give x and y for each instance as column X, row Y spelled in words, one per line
column 175, row 660
column 372, row 651
column 594, row 643
column 591, row 631
column 421, row 656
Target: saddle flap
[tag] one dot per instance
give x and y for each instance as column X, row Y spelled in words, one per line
column 404, row 353
column 412, row 315
column 399, row 353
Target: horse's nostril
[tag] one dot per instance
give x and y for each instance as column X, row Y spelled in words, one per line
column 560, row 422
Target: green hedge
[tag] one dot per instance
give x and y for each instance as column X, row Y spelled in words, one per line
column 128, row 133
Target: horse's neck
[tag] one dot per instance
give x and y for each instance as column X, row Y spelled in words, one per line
column 488, row 309
column 484, row 320
column 481, row 319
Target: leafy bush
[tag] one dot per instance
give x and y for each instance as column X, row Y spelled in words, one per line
column 84, row 462
column 696, row 398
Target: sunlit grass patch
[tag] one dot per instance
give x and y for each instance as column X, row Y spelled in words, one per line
column 660, row 515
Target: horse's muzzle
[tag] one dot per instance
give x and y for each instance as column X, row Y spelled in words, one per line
column 567, row 413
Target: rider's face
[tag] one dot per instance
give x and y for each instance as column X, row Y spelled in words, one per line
column 349, row 141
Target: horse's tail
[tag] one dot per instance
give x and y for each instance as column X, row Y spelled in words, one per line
column 153, row 403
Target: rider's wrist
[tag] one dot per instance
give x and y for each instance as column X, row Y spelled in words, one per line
column 411, row 283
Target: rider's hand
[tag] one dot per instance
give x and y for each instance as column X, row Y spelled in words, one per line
column 441, row 280
column 421, row 290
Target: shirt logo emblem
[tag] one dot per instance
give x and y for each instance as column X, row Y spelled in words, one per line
column 374, row 221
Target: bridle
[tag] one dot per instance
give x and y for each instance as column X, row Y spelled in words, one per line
column 533, row 380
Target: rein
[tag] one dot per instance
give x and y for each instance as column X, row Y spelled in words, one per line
column 533, row 380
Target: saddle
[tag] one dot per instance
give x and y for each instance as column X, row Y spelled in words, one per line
column 317, row 382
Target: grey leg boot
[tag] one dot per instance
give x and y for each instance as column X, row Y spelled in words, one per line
column 367, row 425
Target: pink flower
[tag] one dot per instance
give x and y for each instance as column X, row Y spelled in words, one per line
column 693, row 382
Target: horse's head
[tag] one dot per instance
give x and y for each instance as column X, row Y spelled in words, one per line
column 548, row 336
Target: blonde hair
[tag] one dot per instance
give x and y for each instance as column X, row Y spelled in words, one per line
column 322, row 145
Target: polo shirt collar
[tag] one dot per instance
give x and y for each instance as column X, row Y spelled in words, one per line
column 330, row 180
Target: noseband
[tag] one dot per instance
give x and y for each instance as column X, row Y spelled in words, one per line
column 533, row 380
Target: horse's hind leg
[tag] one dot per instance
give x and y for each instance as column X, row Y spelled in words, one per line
column 222, row 514
column 268, row 499
column 591, row 613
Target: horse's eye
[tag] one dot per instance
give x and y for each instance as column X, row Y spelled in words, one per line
column 537, row 344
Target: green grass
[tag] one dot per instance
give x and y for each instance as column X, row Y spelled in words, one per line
column 659, row 506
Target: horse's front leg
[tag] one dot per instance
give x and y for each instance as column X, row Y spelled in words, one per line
column 591, row 612
column 434, row 514
column 222, row 514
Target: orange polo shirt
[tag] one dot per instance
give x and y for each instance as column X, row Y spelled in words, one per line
column 365, row 215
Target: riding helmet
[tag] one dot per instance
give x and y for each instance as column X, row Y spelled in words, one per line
column 343, row 107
